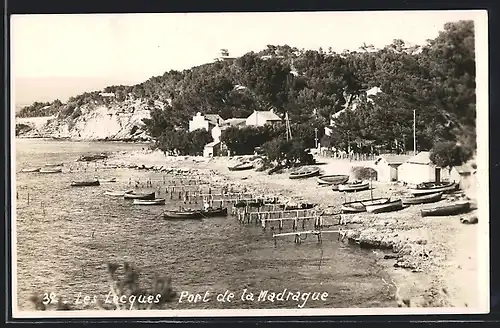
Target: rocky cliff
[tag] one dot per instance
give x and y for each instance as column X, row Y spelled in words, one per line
column 118, row 121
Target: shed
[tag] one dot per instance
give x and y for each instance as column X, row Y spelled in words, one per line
column 212, row 149
column 419, row 168
column 464, row 175
column 387, row 165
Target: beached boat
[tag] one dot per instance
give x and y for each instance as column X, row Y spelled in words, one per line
column 117, row 193
column 360, row 205
column 423, row 199
column 304, row 173
column 390, row 206
column 132, row 195
column 301, row 206
column 241, row 167
column 354, row 186
column 54, row 164
column 450, row 187
column 157, row 201
column 433, row 185
column 445, row 210
column 85, row 183
column 274, row 169
column 195, row 214
column 51, row 170
column 111, row 180
column 332, row 179
column 30, row 170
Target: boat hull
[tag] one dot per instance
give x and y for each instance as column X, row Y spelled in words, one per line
column 360, row 205
column 49, row 171
column 304, row 174
column 158, row 201
column 85, row 183
column 445, row 189
column 389, row 206
column 117, row 193
column 240, row 167
column 334, row 179
column 37, row 169
column 150, row 196
column 354, row 186
column 199, row 214
column 423, row 199
column 452, row 209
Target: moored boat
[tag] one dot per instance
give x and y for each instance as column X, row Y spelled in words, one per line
column 390, row 206
column 195, row 214
column 444, row 189
column 157, row 201
column 30, row 170
column 51, row 170
column 354, row 186
column 332, row 179
column 147, row 196
column 434, row 185
column 445, row 210
column 117, row 193
column 241, row 167
column 360, row 205
column 304, row 173
column 85, row 183
column 423, row 199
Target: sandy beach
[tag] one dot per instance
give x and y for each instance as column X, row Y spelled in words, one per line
column 433, row 260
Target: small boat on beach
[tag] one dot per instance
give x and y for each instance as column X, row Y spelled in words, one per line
column 241, row 166
column 31, row 170
column 133, row 195
column 390, row 206
column 433, row 185
column 354, row 186
column 110, row 180
column 448, row 187
column 360, row 205
column 332, row 179
column 274, row 169
column 85, row 183
column 423, row 199
column 117, row 193
column 445, row 210
column 51, row 170
column 157, row 201
column 303, row 173
column 195, row 214
column 54, row 164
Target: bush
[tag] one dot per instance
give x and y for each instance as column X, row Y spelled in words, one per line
column 288, row 152
column 364, row 173
column 449, row 154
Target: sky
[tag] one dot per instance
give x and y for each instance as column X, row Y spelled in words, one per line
column 56, row 56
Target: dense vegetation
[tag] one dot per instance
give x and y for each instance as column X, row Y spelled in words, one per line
column 437, row 80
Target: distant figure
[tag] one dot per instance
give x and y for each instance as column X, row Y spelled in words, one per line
column 206, row 205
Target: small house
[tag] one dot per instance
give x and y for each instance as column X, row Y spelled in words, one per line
column 260, row 118
column 464, row 175
column 207, row 122
column 387, row 165
column 212, row 149
column 419, row 168
column 237, row 122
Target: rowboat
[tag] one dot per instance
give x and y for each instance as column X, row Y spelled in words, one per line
column 354, row 186
column 132, row 195
column 304, row 173
column 360, row 205
column 85, row 183
column 195, row 214
column 390, row 206
column 302, row 206
column 241, row 167
column 54, row 164
column 433, row 185
column 445, row 210
column 423, row 199
column 51, row 170
column 111, row 180
column 157, row 201
column 444, row 189
column 30, row 170
column 332, row 179
column 117, row 193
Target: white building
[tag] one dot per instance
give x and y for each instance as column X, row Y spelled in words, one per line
column 207, row 122
column 260, row 118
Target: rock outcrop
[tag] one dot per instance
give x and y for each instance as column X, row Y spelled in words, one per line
column 120, row 121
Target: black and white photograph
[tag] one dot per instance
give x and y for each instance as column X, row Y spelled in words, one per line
column 249, row 164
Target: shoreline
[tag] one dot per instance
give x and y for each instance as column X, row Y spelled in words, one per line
column 432, row 260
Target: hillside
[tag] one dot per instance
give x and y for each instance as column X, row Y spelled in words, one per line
column 437, row 80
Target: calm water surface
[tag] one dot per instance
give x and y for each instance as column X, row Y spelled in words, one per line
column 65, row 237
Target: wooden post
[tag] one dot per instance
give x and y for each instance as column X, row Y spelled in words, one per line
column 28, row 198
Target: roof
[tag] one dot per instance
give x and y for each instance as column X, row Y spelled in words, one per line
column 464, row 168
column 423, row 158
column 267, row 115
column 213, row 143
column 394, row 159
column 213, row 118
